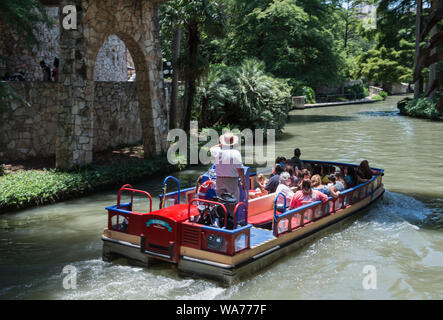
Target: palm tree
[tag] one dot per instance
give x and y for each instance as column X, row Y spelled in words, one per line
column 199, row 16
column 213, row 93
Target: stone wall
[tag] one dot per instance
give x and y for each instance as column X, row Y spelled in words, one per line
column 19, row 58
column 111, row 61
column 31, row 131
column 111, row 64
column 116, row 115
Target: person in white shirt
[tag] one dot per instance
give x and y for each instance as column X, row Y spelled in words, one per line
column 284, row 188
column 228, row 167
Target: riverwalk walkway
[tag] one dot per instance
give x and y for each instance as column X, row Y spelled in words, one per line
column 339, row 103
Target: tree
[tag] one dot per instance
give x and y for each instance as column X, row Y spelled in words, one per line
column 391, row 59
column 198, row 19
column 170, row 23
column 293, row 38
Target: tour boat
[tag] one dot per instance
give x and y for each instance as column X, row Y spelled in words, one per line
column 252, row 234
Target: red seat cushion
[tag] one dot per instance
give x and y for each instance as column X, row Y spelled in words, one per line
column 262, row 217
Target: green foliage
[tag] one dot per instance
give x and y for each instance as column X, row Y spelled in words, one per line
column 246, row 96
column 391, row 59
column 2, row 169
column 422, row 108
column 294, row 39
column 306, row 91
column 387, row 65
column 377, row 97
column 23, row 16
column 366, row 92
column 383, row 94
column 31, row 188
column 356, row 92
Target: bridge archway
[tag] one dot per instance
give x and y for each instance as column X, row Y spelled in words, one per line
column 135, row 23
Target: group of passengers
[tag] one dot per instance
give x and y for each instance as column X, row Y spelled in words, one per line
column 293, row 179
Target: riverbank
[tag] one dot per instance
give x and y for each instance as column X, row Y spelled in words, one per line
column 420, row 108
column 340, row 103
column 30, row 187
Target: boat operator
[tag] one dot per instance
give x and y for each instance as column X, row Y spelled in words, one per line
column 228, row 167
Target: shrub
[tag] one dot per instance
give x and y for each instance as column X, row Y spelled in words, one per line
column 252, row 99
column 383, row 94
column 306, row 91
column 30, row 188
column 377, row 97
column 366, row 91
column 355, row 92
column 2, row 169
column 423, row 108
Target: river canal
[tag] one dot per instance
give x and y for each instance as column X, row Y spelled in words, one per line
column 401, row 235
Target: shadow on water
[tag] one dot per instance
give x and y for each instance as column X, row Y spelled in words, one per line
column 319, row 118
column 387, row 113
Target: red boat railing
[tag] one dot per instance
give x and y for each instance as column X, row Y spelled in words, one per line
column 128, row 187
column 238, row 205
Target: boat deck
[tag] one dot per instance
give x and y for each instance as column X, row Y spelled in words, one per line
column 260, row 236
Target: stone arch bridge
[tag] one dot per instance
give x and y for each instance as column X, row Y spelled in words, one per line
column 135, row 23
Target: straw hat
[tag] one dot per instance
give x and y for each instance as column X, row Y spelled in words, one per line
column 228, row 139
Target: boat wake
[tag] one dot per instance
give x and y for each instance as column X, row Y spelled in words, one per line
column 396, row 206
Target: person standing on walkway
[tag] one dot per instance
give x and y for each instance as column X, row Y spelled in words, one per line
column 229, row 166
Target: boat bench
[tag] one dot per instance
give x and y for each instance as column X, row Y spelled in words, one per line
column 261, row 217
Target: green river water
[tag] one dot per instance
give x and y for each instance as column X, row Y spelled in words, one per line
column 401, row 235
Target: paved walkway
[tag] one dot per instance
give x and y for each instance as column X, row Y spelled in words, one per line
column 340, row 103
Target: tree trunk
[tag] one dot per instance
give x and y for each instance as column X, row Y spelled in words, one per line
column 193, row 41
column 418, row 85
column 440, row 104
column 433, row 67
column 173, row 119
column 203, row 112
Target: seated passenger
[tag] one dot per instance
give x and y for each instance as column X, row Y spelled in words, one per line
column 304, row 175
column 273, row 183
column 364, row 172
column 340, row 178
column 284, row 188
column 317, row 185
column 308, row 167
column 296, row 162
column 294, row 178
column 349, row 176
column 317, row 169
column 281, row 161
column 335, row 187
column 325, row 174
column 307, row 195
column 261, row 181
